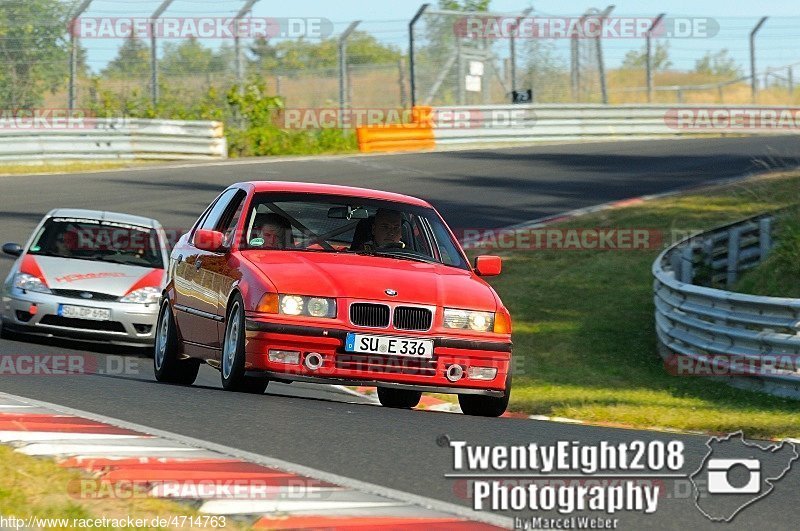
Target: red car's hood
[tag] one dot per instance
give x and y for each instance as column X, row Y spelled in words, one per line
column 368, row 277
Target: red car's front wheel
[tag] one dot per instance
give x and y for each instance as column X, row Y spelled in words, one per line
column 233, row 354
column 486, row 406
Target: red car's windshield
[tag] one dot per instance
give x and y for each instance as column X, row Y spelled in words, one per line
column 348, row 224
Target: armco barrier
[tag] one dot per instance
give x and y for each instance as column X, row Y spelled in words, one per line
column 116, row 139
column 750, row 341
column 570, row 122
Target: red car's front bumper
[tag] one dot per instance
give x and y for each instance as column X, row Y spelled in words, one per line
column 345, row 368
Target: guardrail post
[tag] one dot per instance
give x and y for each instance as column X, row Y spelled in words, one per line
column 764, row 237
column 687, row 264
column 675, row 264
column 734, row 241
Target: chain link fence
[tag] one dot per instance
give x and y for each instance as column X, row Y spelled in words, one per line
column 456, row 61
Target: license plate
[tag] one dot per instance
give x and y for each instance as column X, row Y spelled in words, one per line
column 84, row 312
column 389, row 346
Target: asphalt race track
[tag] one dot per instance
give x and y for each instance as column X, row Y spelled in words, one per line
column 329, row 430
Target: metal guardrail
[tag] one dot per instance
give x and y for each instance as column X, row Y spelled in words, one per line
column 744, row 339
column 115, row 139
column 551, row 122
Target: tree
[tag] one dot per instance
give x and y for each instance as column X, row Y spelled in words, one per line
column 132, row 60
column 362, row 48
column 719, row 64
column 188, row 57
column 34, row 51
column 637, row 59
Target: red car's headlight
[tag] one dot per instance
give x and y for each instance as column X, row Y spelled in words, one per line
column 298, row 305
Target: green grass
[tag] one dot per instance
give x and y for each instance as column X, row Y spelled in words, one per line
column 584, row 338
column 65, row 167
column 777, row 276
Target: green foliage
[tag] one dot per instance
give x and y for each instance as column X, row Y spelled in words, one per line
column 719, row 64
column 190, row 57
column 362, row 48
column 637, row 59
column 259, row 135
column 465, row 5
column 34, row 48
column 132, row 60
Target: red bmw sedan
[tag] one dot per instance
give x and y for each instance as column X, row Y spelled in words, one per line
column 281, row 281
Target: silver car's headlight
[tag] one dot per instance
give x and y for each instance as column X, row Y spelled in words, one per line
column 468, row 320
column 27, row 282
column 147, row 295
column 308, row 306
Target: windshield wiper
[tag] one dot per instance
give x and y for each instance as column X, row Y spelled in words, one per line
column 396, row 253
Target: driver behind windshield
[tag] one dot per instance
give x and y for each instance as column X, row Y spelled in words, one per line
column 387, row 229
column 271, row 231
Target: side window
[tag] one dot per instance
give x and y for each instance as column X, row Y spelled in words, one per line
column 230, row 218
column 215, row 214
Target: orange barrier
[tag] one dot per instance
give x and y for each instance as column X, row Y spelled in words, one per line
column 413, row 136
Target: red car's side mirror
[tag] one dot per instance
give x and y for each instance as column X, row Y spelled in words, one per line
column 208, row 240
column 488, row 266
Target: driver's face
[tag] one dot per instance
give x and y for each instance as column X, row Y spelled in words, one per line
column 387, row 229
column 274, row 236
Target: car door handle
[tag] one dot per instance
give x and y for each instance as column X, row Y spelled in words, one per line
column 198, row 264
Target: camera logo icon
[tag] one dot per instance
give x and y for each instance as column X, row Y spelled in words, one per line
column 718, row 477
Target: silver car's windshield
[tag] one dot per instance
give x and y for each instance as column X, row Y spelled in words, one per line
column 106, row 241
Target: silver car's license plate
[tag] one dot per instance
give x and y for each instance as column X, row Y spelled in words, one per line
column 389, row 346
column 84, row 312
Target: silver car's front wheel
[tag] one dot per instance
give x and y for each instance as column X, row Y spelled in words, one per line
column 233, row 354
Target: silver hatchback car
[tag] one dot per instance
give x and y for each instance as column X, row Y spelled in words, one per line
column 87, row 275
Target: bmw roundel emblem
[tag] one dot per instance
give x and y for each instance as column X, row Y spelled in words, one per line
column 391, row 293
column 86, row 295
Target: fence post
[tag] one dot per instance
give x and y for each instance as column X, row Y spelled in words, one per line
column 154, row 51
column 401, row 80
column 237, row 47
column 649, row 56
column 513, row 47
column 73, row 51
column 753, row 79
column 598, row 47
column 734, row 240
column 412, row 72
column 343, row 73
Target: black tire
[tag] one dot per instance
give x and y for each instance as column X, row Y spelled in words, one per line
column 168, row 367
column 233, row 355
column 398, row 398
column 6, row 333
column 485, row 406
